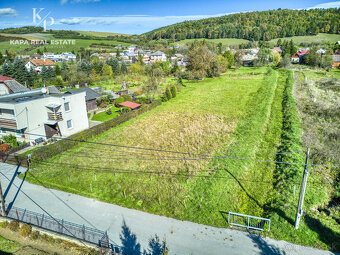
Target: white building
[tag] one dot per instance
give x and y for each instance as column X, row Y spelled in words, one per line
column 37, row 64
column 43, row 113
column 157, row 56
column 131, row 49
column 65, row 56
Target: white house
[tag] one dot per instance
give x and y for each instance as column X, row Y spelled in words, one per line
column 65, row 56
column 157, row 56
column 131, row 49
column 44, row 112
column 37, row 64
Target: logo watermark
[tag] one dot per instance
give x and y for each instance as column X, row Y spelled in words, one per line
column 37, row 19
column 37, row 42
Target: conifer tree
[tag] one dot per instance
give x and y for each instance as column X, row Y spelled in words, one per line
column 123, row 68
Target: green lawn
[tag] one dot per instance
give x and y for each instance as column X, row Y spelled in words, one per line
column 103, row 116
column 16, row 47
column 8, row 245
column 224, row 41
column 320, row 38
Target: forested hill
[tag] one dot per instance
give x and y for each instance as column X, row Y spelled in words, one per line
column 265, row 25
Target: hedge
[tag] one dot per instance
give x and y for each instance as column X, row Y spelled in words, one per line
column 62, row 145
column 291, row 140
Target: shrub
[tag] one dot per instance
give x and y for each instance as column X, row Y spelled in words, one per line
column 125, row 109
column 35, row 235
column 168, row 94
column 48, row 238
column 173, row 91
column 5, row 147
column 4, row 224
column 13, row 225
column 143, row 100
column 126, row 97
column 119, row 100
column 25, row 230
column 11, row 139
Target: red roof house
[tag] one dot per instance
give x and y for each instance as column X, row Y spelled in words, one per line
column 130, row 105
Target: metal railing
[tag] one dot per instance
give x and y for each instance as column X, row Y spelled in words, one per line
column 63, row 227
column 55, row 116
column 248, row 221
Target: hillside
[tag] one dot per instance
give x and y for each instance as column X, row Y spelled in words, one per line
column 265, row 25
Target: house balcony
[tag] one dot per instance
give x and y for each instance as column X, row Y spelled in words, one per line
column 8, row 123
column 55, row 116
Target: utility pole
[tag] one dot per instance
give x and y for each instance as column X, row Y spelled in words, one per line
column 302, row 192
column 2, row 202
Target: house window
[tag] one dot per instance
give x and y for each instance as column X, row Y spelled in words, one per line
column 69, row 124
column 67, row 106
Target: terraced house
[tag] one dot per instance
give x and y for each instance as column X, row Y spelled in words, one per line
column 46, row 112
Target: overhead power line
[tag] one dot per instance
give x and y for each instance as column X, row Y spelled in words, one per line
column 131, row 171
column 184, row 153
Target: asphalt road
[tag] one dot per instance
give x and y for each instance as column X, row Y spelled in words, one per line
column 182, row 237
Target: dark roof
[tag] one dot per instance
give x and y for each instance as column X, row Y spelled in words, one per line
column 131, row 105
column 90, row 93
column 15, row 86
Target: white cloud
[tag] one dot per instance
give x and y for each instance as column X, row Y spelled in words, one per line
column 132, row 19
column 8, row 12
column 78, row 1
column 327, row 5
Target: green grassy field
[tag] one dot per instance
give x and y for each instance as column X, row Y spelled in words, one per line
column 8, row 245
column 16, row 47
column 224, row 41
column 99, row 34
column 79, row 43
column 241, row 114
column 320, row 38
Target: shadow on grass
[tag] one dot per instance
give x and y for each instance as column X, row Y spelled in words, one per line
column 130, row 246
column 264, row 247
column 242, row 187
column 326, row 235
column 5, row 253
column 282, row 214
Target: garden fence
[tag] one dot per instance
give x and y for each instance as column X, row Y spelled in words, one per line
column 63, row 227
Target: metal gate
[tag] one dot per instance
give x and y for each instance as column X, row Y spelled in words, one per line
column 248, row 221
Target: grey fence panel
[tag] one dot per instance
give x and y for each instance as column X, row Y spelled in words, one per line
column 81, row 232
column 248, row 221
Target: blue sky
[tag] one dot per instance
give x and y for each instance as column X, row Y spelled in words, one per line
column 132, row 16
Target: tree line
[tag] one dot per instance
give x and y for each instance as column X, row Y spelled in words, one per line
column 254, row 26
